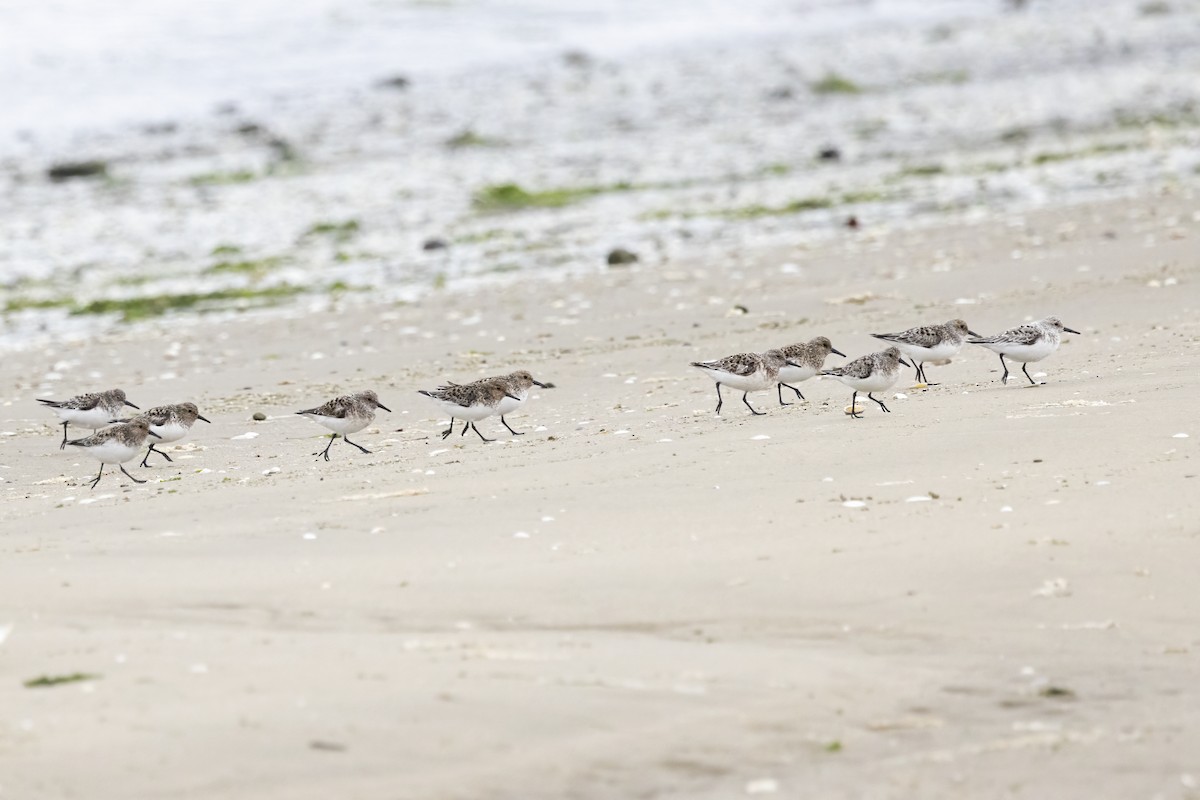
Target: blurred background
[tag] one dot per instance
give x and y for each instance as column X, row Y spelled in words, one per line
column 161, row 159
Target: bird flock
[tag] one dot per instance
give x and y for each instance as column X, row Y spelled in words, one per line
column 117, row 441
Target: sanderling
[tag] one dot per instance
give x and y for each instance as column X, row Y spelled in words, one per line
column 811, row 358
column 470, row 402
column 116, row 445
column 169, row 424
column 517, row 385
column 873, row 373
column 746, row 372
column 345, row 415
column 93, row 410
column 936, row 344
column 1025, row 343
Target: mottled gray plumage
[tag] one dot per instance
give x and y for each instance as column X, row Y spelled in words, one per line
column 811, row 353
column 871, row 373
column 345, row 415
column 93, row 410
column 1025, row 343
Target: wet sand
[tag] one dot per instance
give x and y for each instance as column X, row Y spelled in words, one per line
column 637, row 597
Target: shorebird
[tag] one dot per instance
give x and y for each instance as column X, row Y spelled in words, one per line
column 872, row 373
column 517, row 384
column 1025, row 343
column 746, row 372
column 169, row 424
column 470, row 402
column 116, row 445
column 810, row 356
column 93, row 410
column 936, row 344
column 345, row 415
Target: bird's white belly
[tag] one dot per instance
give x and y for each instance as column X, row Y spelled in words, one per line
column 342, row 425
column 944, row 351
column 468, row 413
column 111, row 452
column 754, row 382
column 171, row 432
column 1029, row 352
column 875, row 382
column 507, row 405
column 795, row 374
column 92, row 418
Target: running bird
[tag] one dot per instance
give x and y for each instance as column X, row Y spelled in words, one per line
column 1025, row 343
column 116, row 445
column 811, row 358
column 746, row 372
column 345, row 415
column 874, row 373
column 471, row 402
column 93, row 410
column 936, row 344
column 517, row 384
column 169, row 424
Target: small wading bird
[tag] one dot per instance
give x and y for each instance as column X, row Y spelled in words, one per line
column 93, row 410
column 517, row 385
column 116, row 445
column 746, row 372
column 1025, row 343
column 811, row 358
column 345, row 415
column 470, row 402
column 169, row 424
column 936, row 344
column 872, row 373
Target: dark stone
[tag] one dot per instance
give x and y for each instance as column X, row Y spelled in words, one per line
column 395, row 82
column 829, row 154
column 852, row 223
column 435, row 244
column 259, row 416
column 620, row 257
column 77, row 169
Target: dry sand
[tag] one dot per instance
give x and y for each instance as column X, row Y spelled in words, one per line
column 640, row 599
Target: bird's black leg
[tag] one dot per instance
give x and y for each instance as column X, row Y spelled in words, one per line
column 359, row 446
column 98, row 477
column 880, row 402
column 481, row 436
column 449, row 430
column 127, row 475
column 780, row 389
column 920, row 373
column 720, row 400
column 854, row 405
column 1026, row 371
column 466, row 426
column 154, row 449
column 325, row 452
column 510, row 430
column 63, row 446
column 925, row 378
column 1004, row 377
column 746, row 400
column 794, row 389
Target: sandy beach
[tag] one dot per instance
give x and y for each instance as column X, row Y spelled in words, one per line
column 985, row 593
column 638, row 597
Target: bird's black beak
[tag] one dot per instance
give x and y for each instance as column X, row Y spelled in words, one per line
column 1069, row 330
column 117, row 421
column 905, row 363
column 506, row 394
column 543, row 385
column 972, row 333
column 131, row 405
column 202, row 419
column 385, row 408
column 792, row 364
column 835, row 351
column 155, row 435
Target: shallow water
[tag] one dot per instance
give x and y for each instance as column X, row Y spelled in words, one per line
column 683, row 136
